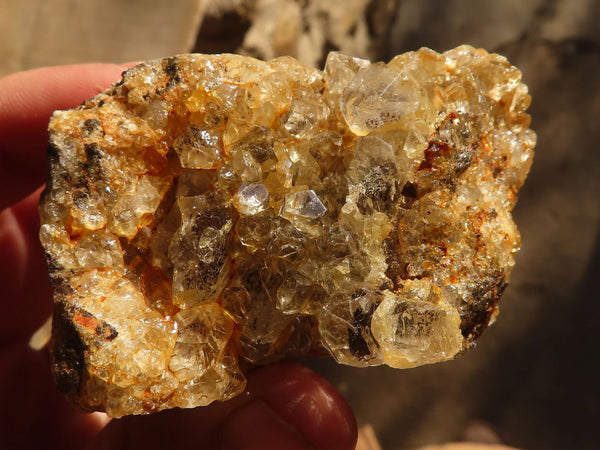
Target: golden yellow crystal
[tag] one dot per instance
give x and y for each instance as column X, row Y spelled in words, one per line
column 210, row 212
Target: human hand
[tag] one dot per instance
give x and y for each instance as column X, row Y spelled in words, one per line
column 285, row 406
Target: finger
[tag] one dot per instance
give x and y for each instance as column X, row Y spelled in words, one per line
column 33, row 414
column 286, row 406
column 24, row 285
column 27, row 100
column 255, row 426
column 303, row 398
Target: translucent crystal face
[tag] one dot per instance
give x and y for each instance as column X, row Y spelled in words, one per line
column 211, row 212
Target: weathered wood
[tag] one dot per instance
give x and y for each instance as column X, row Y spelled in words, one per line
column 37, row 33
column 367, row 439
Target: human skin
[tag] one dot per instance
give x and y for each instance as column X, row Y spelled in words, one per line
column 285, row 405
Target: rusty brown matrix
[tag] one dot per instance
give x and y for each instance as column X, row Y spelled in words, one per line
column 210, row 212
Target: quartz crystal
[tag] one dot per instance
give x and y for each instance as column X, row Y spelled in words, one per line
column 212, row 212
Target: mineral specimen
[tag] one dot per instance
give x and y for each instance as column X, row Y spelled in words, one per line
column 208, row 213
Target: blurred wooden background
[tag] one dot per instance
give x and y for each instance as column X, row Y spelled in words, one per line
column 37, row 33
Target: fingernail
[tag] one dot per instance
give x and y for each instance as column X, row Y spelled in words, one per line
column 255, row 426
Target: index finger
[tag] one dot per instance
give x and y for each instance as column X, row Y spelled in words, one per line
column 27, row 100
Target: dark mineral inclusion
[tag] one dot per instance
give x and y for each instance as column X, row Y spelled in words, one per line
column 207, row 213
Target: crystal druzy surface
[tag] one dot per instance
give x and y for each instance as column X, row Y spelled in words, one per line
column 208, row 213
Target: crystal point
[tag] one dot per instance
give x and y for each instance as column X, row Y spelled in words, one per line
column 304, row 204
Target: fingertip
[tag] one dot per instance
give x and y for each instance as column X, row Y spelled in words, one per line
column 308, row 402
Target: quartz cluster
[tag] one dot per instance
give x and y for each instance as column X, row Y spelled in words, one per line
column 212, row 212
